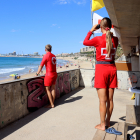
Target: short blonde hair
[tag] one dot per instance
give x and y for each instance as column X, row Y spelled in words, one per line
column 48, row 47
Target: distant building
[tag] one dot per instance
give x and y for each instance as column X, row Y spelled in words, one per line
column 26, row 54
column 58, row 55
column 87, row 49
column 35, row 53
column 65, row 54
column 14, row 53
column 77, row 54
column 2, row 54
column 29, row 54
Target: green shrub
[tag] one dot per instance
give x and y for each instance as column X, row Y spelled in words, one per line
column 75, row 57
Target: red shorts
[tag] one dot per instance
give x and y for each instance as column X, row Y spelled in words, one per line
column 50, row 80
column 105, row 76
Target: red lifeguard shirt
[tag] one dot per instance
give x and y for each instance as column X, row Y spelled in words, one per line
column 49, row 60
column 99, row 42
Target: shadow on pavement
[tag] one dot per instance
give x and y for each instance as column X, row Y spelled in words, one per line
column 112, row 123
column 137, row 132
column 9, row 129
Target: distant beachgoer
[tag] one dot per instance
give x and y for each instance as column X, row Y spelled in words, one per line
column 49, row 60
column 15, row 77
column 30, row 70
column 18, row 77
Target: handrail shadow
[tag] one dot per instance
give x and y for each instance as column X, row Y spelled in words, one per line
column 137, row 132
column 7, row 130
column 112, row 123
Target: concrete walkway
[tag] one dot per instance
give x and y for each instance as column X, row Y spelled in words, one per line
column 73, row 118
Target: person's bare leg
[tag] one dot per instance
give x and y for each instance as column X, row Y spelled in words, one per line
column 102, row 108
column 107, row 123
column 110, row 94
column 53, row 92
column 48, row 90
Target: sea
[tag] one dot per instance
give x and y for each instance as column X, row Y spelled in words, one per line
column 21, row 65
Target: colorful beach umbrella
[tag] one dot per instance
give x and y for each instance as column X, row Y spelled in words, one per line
column 13, row 74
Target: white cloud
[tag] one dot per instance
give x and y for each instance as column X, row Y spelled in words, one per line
column 53, row 25
column 81, row 42
column 13, row 30
column 31, row 31
column 62, row 1
column 78, row 2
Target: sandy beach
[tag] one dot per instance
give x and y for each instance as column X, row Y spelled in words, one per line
column 81, row 62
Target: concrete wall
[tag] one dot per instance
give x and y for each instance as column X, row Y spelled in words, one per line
column 125, row 79
column 17, row 98
column 135, row 63
column 124, row 58
column 128, row 79
column 87, row 77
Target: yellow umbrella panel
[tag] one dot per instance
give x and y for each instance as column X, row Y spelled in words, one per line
column 12, row 75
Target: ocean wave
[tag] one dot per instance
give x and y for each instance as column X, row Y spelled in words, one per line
column 31, row 67
column 2, row 71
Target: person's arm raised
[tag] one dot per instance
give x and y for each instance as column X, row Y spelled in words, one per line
column 92, row 42
column 94, row 28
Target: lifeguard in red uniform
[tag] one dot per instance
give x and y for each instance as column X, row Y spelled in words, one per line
column 105, row 72
column 49, row 60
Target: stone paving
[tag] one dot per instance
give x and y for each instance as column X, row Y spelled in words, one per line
column 73, row 118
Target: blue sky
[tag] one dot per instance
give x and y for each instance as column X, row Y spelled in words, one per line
column 28, row 25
